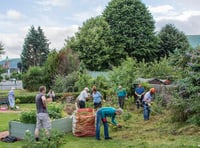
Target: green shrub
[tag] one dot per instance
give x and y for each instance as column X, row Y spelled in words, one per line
column 16, row 75
column 124, row 75
column 33, row 78
column 17, row 101
column 28, row 117
column 29, row 98
column 55, row 111
column 56, row 139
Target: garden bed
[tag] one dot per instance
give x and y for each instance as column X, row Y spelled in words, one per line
column 18, row 129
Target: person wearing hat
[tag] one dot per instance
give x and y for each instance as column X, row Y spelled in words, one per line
column 83, row 97
column 11, row 98
column 101, row 115
column 147, row 100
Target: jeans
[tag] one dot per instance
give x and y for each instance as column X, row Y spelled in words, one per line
column 11, row 101
column 121, row 101
column 81, row 104
column 146, row 111
column 97, row 105
column 98, row 126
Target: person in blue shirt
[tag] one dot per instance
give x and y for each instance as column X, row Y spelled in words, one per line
column 96, row 95
column 139, row 92
column 101, row 115
column 121, row 94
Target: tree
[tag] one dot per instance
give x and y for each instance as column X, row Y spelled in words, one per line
column 125, row 74
column 171, row 39
column 92, row 43
column 68, row 61
column 132, row 28
column 19, row 66
column 33, row 78
column 51, row 68
column 35, row 48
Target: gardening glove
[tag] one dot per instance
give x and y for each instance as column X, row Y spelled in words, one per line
column 104, row 120
column 119, row 125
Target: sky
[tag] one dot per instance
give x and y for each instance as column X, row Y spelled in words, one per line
column 60, row 19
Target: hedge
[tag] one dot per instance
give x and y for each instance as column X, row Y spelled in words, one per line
column 30, row 98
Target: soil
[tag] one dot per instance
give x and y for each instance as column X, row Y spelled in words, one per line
column 10, row 111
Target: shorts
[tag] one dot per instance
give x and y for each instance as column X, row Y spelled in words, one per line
column 43, row 121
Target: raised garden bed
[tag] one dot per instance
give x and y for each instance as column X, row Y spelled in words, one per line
column 18, row 129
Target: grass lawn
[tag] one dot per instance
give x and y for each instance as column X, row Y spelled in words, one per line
column 6, row 117
column 158, row 132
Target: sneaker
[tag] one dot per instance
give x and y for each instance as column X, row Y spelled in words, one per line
column 108, row 138
column 98, row 139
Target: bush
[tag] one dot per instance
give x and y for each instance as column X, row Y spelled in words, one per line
column 56, row 139
column 186, row 107
column 16, row 75
column 124, row 75
column 157, row 69
column 65, row 83
column 33, row 78
column 30, row 98
column 55, row 111
column 28, row 117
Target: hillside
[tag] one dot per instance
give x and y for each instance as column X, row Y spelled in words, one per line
column 194, row 40
column 12, row 62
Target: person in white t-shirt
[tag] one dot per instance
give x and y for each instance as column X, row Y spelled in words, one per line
column 146, row 101
column 82, row 97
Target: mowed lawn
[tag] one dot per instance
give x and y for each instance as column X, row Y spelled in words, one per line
column 159, row 132
column 6, row 116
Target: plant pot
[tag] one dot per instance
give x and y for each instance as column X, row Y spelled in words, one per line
column 18, row 129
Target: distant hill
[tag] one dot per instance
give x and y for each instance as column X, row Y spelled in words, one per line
column 194, row 40
column 12, row 62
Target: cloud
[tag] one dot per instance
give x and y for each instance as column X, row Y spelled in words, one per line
column 186, row 20
column 57, row 35
column 184, row 16
column 14, row 15
column 160, row 9
column 48, row 4
column 13, row 42
column 189, row 27
column 83, row 16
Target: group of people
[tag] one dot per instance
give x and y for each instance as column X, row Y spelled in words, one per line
column 85, row 95
column 143, row 99
column 11, row 97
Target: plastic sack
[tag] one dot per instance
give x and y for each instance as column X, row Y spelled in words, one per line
column 83, row 123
